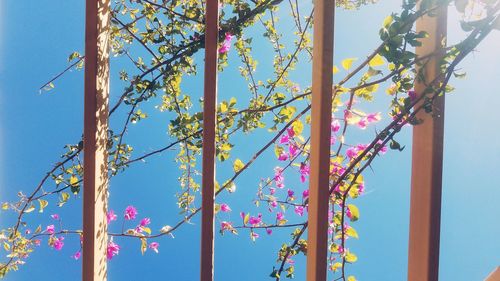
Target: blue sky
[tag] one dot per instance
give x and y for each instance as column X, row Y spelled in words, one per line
column 37, row 36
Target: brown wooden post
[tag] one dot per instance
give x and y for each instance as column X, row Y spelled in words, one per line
column 427, row 162
column 494, row 276
column 317, row 243
column 209, row 124
column 95, row 176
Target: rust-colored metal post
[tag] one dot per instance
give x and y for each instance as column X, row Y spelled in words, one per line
column 209, row 124
column 427, row 161
column 321, row 116
column 96, row 110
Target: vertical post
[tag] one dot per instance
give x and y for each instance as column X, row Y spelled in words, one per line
column 209, row 124
column 320, row 139
column 427, row 160
column 95, row 174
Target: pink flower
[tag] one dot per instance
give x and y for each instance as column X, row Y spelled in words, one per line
column 284, row 139
column 383, row 149
column 224, row 225
column 154, row 246
column 110, row 216
column 242, row 215
column 55, row 216
column 373, row 117
column 50, row 229
column 293, row 150
column 112, row 250
column 226, row 45
column 37, row 242
column 412, row 94
column 269, row 231
column 291, row 132
column 254, row 235
column 363, row 123
column 305, row 194
column 130, row 213
column 58, row 243
column 278, row 177
column 77, row 255
column 290, row 193
column 272, row 190
column 335, row 125
column 361, row 188
column 145, row 221
column 299, row 210
column 255, row 220
column 274, row 204
column 225, row 208
column 280, row 216
column 352, row 152
column 283, row 157
column 304, row 171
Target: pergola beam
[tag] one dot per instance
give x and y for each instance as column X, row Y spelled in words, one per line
column 427, row 159
column 209, row 125
column 96, row 110
column 321, row 113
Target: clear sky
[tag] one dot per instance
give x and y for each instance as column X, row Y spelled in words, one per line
column 37, row 36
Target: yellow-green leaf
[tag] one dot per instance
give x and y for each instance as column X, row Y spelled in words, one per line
column 387, row 21
column 350, row 257
column 298, row 127
column 351, row 278
column 144, row 245
column 354, row 212
column 246, row 219
column 43, row 204
column 147, row 230
column 347, row 63
column 351, row 232
column 73, row 180
column 238, row 165
column 5, row 206
column 377, row 60
column 335, row 69
column 30, row 209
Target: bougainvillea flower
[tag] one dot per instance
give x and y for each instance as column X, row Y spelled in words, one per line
column 304, row 171
column 280, row 216
column 412, row 94
column 284, row 139
column 154, row 246
column 226, row 45
column 335, row 125
column 383, row 149
column 278, row 177
column 254, row 235
column 58, row 243
column 77, row 255
column 290, row 193
column 363, row 123
column 269, row 231
column 293, row 150
column 145, row 221
column 224, row 225
column 291, row 132
column 352, row 152
column 373, row 117
column 299, row 210
column 112, row 250
column 55, row 216
column 272, row 190
column 255, row 220
column 305, row 193
column 130, row 213
column 111, row 216
column 283, row 157
column 225, row 208
column 50, row 229
column 273, row 204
